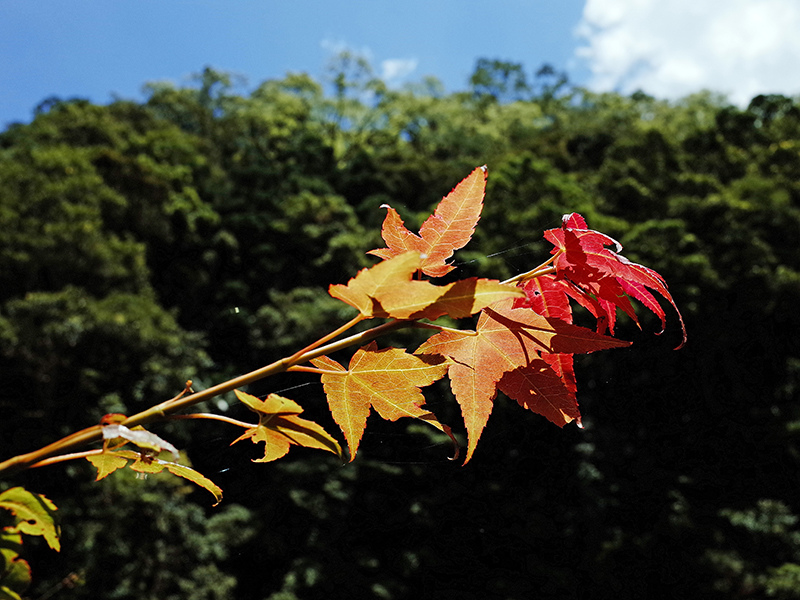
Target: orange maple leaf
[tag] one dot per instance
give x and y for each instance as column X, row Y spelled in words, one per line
column 279, row 427
column 386, row 290
column 449, row 228
column 509, row 340
column 388, row 380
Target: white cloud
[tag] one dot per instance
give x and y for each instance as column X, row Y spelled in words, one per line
column 335, row 47
column 673, row 48
column 395, row 70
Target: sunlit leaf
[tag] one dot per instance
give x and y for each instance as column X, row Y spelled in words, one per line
column 280, row 427
column 34, row 514
column 145, row 463
column 584, row 258
column 106, row 463
column 388, row 380
column 505, row 340
column 449, row 228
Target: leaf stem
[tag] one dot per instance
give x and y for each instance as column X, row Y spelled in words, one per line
column 435, row 327
column 304, row 369
column 213, row 417
column 543, row 269
column 65, row 457
column 332, row 335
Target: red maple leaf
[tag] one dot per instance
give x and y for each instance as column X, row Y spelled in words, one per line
column 605, row 277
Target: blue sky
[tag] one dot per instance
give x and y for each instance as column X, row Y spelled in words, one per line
column 94, row 48
column 102, row 49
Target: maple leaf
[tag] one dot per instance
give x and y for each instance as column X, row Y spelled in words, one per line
column 144, row 461
column 388, row 380
column 34, row 514
column 466, row 297
column 280, row 427
column 512, row 340
column 550, row 297
column 539, row 388
column 448, row 229
column 106, row 463
column 386, row 290
column 583, row 258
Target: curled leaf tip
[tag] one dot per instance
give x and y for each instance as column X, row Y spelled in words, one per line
column 456, row 445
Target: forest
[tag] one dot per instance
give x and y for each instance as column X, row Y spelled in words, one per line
column 193, row 236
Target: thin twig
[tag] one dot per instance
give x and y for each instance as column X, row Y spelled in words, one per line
column 422, row 325
column 316, row 371
column 65, row 457
column 332, row 335
column 212, row 417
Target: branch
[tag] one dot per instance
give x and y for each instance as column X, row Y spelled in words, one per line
column 183, row 400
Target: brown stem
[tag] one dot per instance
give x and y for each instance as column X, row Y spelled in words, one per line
column 302, row 369
column 542, row 269
column 213, row 417
column 435, row 327
column 54, row 452
column 65, row 457
column 332, row 335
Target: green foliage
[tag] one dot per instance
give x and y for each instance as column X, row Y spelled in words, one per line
column 55, row 345
column 31, row 515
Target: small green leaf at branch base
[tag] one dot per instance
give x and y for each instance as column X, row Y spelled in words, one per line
column 106, row 463
column 34, row 514
column 15, row 573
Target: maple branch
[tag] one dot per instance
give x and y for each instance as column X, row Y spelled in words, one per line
column 182, row 401
column 332, row 335
column 65, row 457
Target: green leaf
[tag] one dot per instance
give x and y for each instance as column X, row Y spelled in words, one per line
column 15, row 573
column 107, row 463
column 35, row 514
column 196, row 478
column 149, row 464
column 15, row 579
